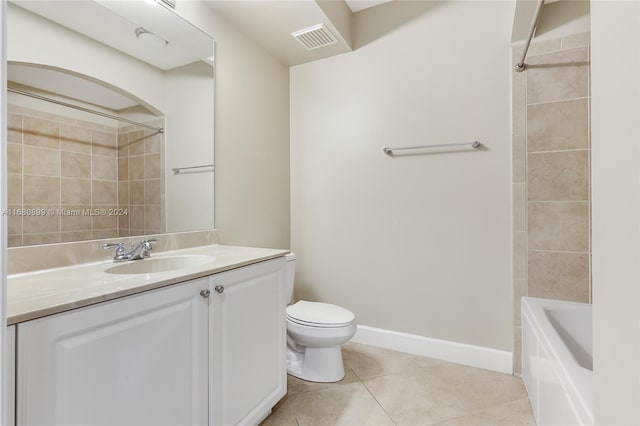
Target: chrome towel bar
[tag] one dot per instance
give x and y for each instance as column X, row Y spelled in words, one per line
column 177, row 170
column 473, row 144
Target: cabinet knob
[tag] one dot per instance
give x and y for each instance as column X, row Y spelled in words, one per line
column 205, row 293
column 219, row 288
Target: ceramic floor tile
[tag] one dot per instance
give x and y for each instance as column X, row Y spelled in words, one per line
column 474, row 388
column 516, row 413
column 347, row 404
column 281, row 415
column 414, row 398
column 369, row 361
column 384, row 387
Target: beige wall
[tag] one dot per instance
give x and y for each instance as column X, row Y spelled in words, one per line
column 420, row 243
column 551, row 191
column 616, row 211
column 251, row 136
column 193, row 130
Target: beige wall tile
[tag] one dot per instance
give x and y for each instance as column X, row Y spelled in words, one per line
column 558, row 125
column 519, row 110
column 39, row 224
column 41, row 161
column 14, row 158
column 517, row 351
column 560, row 226
column 104, row 221
column 123, row 220
column 39, row 132
column 103, row 143
column 152, row 166
column 519, row 158
column 519, row 291
column 136, row 192
column 123, row 168
column 152, row 191
column 153, row 143
column 104, row 192
column 152, row 218
column 75, row 165
column 104, row 168
column 123, row 193
column 99, row 234
column 75, row 236
column 14, row 222
column 14, row 128
column 136, row 143
column 519, row 255
column 520, row 207
column 75, row 191
column 14, row 189
column 558, row 76
column 75, row 139
column 123, row 145
column 557, row 275
column 14, row 240
column 37, row 239
column 41, row 190
column 558, row 176
column 127, row 128
column 77, row 223
column 136, row 218
column 576, row 40
column 136, row 167
column 544, row 46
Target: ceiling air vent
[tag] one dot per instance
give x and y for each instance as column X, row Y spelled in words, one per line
column 314, row 37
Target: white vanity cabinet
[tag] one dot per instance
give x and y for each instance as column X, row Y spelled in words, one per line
column 139, row 360
column 211, row 351
column 248, row 343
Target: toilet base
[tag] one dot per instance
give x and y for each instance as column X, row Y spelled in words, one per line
column 316, row 364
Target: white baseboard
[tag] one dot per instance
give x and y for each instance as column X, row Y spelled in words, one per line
column 460, row 353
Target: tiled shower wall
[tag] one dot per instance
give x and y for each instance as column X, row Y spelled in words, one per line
column 58, row 164
column 551, row 175
column 141, row 180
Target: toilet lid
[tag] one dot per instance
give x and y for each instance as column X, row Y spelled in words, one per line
column 317, row 313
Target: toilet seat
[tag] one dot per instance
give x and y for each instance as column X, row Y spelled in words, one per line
column 318, row 314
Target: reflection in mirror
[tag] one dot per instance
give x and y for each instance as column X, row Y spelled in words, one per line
column 103, row 169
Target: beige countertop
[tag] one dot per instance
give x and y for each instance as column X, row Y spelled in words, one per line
column 38, row 294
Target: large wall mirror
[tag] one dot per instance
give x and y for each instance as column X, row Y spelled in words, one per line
column 110, row 124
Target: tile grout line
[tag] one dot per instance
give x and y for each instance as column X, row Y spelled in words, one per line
column 377, row 402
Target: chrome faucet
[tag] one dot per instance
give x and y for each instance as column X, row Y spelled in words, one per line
column 137, row 252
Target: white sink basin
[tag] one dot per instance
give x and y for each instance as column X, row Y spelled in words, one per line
column 160, row 264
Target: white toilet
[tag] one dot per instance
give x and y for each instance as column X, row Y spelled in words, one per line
column 315, row 333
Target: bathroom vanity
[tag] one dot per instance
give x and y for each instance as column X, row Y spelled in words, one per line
column 202, row 344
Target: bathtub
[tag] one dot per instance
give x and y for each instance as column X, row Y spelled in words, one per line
column 557, row 360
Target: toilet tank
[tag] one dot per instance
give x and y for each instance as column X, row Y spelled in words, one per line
column 290, row 273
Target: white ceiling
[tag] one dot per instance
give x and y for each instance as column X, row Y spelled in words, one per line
column 358, row 5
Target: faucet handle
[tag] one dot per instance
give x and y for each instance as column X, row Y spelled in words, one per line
column 117, row 246
column 120, row 251
column 147, row 243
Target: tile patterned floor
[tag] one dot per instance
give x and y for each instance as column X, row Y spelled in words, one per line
column 383, row 387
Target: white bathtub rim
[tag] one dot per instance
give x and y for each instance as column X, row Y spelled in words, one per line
column 575, row 378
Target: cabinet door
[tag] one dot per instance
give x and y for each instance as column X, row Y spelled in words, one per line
column 139, row 360
column 248, row 343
